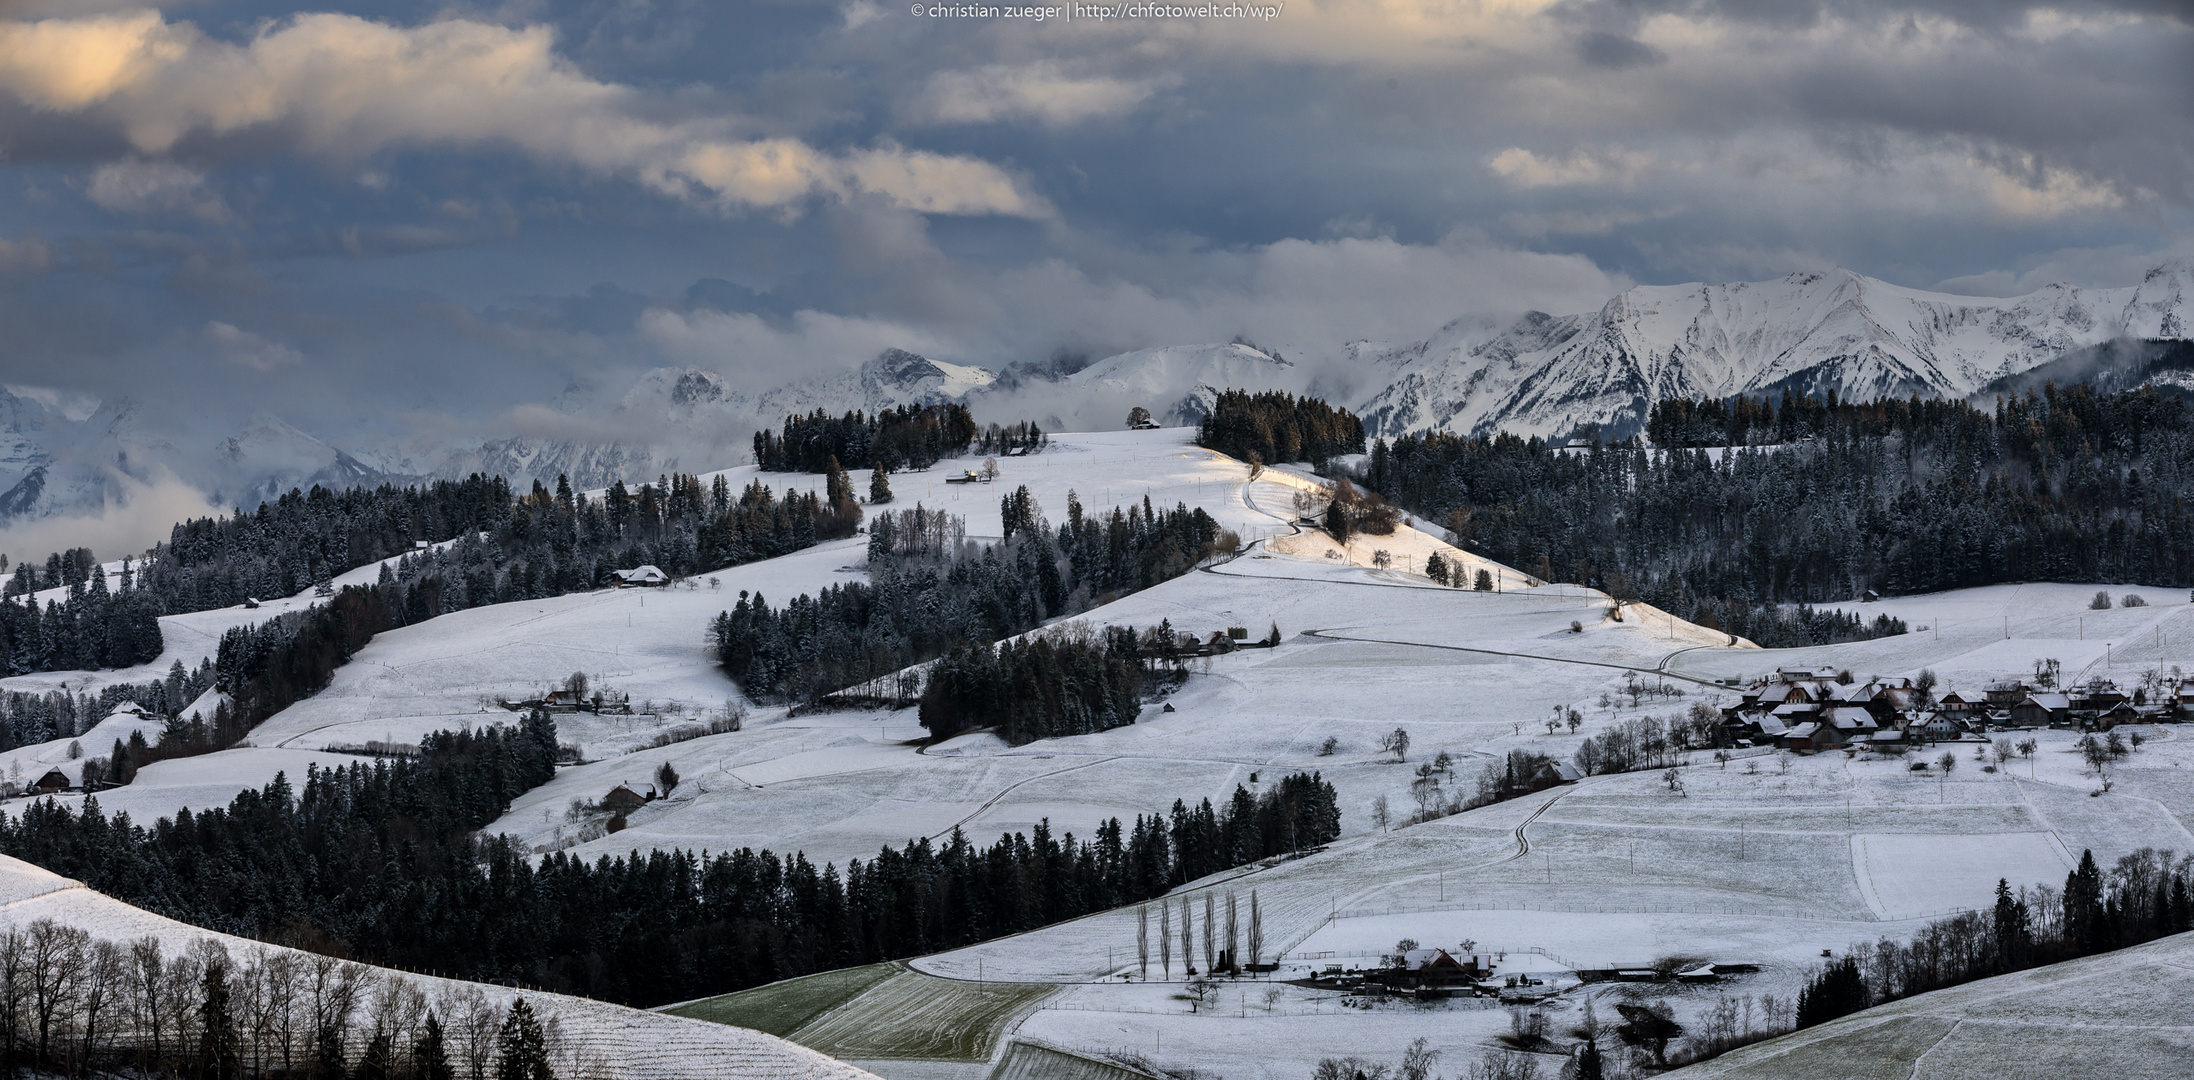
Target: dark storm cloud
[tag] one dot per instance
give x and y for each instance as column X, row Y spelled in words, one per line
column 777, row 190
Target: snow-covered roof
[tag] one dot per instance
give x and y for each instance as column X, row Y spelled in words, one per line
column 1849, row 717
column 2052, row 702
column 642, row 573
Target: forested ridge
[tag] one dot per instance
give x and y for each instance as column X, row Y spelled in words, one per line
column 2146, row 895
column 382, row 861
column 491, row 546
column 906, row 437
column 94, row 626
column 931, row 591
column 1895, row 496
column 1272, row 426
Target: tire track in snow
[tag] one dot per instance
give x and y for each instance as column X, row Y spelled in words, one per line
column 1008, row 790
column 1329, row 635
column 1523, row 842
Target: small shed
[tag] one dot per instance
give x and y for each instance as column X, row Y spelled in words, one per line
column 2124, row 712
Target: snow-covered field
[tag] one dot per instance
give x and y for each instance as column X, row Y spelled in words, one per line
column 1765, row 859
column 187, row 638
column 2126, row 1014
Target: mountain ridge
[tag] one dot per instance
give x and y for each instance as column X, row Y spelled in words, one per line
column 1539, row 373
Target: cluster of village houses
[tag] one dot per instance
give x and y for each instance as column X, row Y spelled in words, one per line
column 1813, row 709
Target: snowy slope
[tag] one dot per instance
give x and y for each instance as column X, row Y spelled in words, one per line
column 1810, row 332
column 23, row 765
column 1750, row 862
column 2123, row 1013
column 597, row 1038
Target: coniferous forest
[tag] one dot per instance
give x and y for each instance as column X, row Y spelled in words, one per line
column 930, row 592
column 907, row 437
column 2146, row 895
column 1040, row 687
column 1274, row 426
column 1894, row 496
column 382, row 862
column 501, row 548
column 94, row 626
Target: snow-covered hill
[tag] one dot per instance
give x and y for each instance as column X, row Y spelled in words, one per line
column 1809, row 332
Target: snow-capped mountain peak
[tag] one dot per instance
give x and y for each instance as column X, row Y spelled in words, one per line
column 1811, row 332
column 901, row 377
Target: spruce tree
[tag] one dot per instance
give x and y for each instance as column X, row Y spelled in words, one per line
column 1837, row 991
column 879, row 486
column 430, row 1055
column 1588, row 1061
column 220, row 1049
column 2013, row 928
column 521, row 1050
column 2083, row 904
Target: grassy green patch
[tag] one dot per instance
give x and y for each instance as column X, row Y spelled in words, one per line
column 782, row 1007
column 916, row 1017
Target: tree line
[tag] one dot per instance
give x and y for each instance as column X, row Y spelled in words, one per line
column 931, row 591
column 491, row 547
column 77, row 1005
column 2148, row 894
column 63, row 568
column 1894, row 496
column 1272, row 426
column 383, row 862
column 27, row 718
column 905, row 437
column 1040, row 687
column 94, row 626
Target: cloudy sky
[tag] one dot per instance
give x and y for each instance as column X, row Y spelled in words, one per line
column 413, row 216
